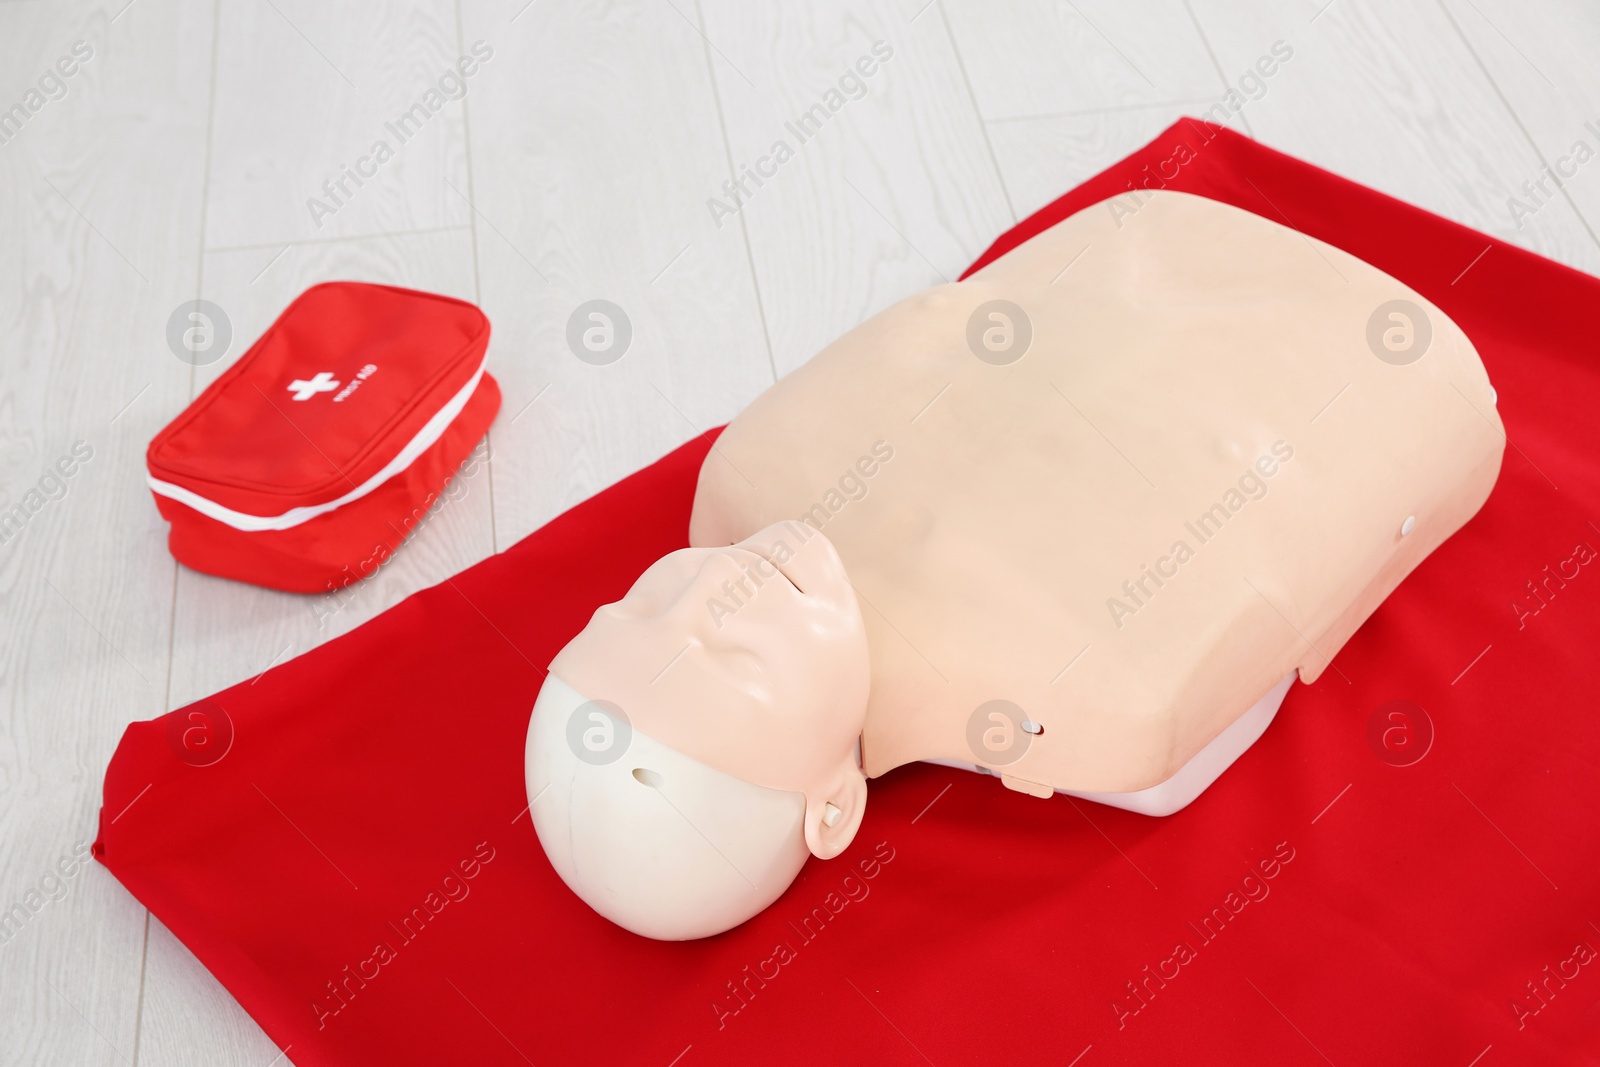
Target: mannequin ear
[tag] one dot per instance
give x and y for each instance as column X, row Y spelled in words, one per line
column 831, row 823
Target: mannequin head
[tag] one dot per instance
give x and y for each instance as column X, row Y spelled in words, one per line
column 657, row 842
column 698, row 738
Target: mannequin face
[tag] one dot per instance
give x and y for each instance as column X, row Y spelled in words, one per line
column 748, row 661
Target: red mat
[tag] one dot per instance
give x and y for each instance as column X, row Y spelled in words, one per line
column 357, row 869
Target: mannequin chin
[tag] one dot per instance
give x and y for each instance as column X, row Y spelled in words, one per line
column 655, row 841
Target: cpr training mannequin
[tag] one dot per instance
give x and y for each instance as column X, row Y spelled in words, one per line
column 1078, row 521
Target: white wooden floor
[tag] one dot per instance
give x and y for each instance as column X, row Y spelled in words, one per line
column 177, row 161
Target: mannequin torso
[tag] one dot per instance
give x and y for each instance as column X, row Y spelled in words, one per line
column 1137, row 526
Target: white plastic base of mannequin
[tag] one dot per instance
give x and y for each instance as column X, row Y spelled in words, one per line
column 1193, row 778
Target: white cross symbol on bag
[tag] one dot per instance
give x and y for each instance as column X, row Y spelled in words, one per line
column 305, row 390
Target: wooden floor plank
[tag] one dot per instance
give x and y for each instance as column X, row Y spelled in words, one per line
column 306, row 91
column 1041, row 158
column 1029, row 60
column 595, row 142
column 881, row 184
column 1541, row 59
column 1390, row 96
column 100, row 196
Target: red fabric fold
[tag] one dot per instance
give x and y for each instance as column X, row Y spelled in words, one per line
column 358, row 869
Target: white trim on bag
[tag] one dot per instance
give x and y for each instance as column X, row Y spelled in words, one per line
column 431, row 431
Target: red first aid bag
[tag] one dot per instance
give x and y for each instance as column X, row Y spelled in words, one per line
column 308, row 462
